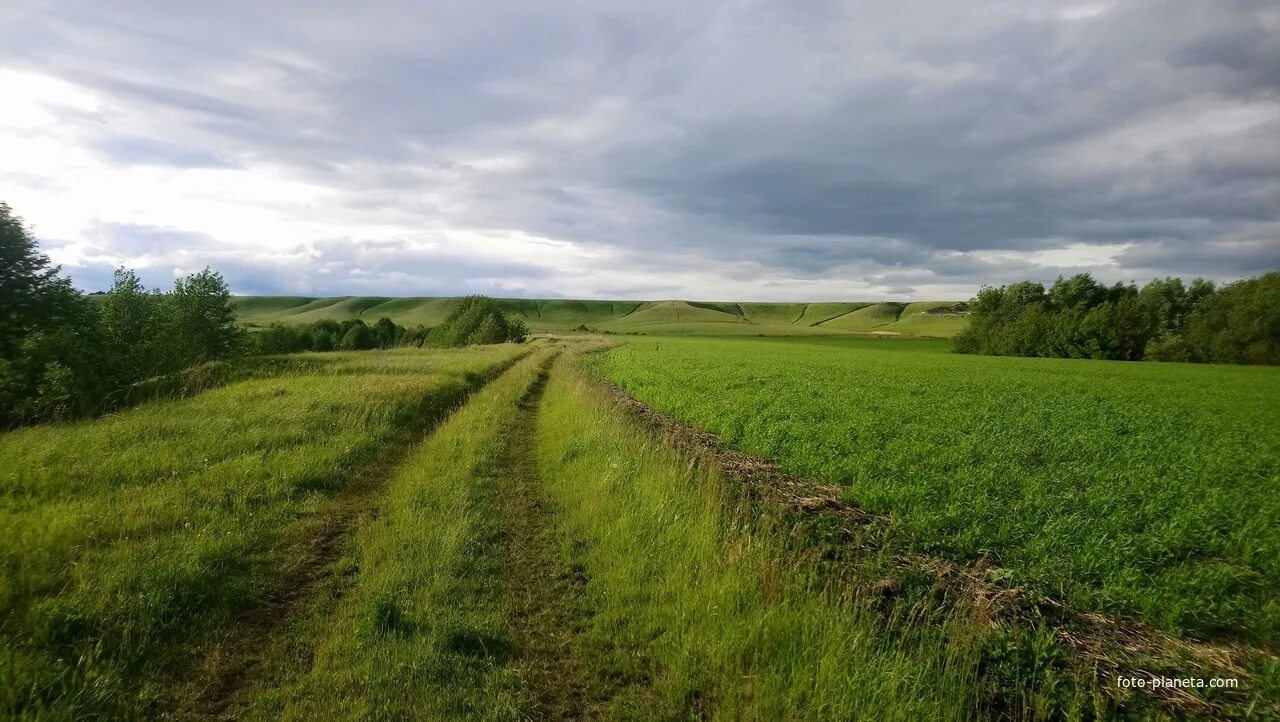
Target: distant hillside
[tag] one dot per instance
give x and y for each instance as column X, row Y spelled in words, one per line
column 675, row 317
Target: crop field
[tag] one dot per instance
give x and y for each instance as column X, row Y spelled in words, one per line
column 628, row 317
column 880, row 530
column 1094, row 481
column 1147, row 491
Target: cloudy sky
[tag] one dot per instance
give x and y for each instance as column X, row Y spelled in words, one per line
column 796, row 149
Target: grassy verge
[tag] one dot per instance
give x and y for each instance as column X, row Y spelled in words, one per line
column 416, row 623
column 130, row 540
column 699, row 607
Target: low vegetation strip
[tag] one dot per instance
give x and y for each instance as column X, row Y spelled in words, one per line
column 1088, row 482
column 699, row 608
column 417, row 625
column 133, row 541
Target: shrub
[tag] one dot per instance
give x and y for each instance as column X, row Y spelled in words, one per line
column 476, row 320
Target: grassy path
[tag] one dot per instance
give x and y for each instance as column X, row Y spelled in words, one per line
column 309, row 552
column 137, row 543
column 543, row 594
column 413, row 619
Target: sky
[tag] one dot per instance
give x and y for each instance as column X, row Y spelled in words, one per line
column 735, row 150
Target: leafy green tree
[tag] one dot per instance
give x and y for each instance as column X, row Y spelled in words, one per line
column 202, row 322
column 50, row 354
column 32, row 293
column 1080, row 291
column 1166, row 320
column 475, row 320
column 129, row 324
column 1238, row 324
column 517, row 329
column 385, row 331
column 358, row 338
column 491, row 329
column 281, row 338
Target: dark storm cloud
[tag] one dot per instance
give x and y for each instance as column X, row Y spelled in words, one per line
column 902, row 145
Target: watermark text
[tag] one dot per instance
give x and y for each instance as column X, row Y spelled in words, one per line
column 1156, row 682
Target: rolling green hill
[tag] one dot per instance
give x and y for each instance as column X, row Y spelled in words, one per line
column 916, row 320
column 647, row 317
column 867, row 318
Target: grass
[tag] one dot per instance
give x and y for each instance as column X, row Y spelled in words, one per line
column 914, row 321
column 330, row 536
column 866, row 318
column 622, row 317
column 701, row 609
column 1143, row 490
column 130, row 540
column 418, row 628
column 688, row 604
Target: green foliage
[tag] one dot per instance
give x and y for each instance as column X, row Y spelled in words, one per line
column 1238, row 324
column 385, row 332
column 33, row 296
column 1165, row 321
column 476, row 320
column 62, row 356
column 358, row 337
column 48, row 333
column 129, row 319
column 1147, row 490
column 201, row 321
column 327, row 335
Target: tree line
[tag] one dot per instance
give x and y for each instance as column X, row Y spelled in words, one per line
column 328, row 335
column 1166, row 320
column 63, row 354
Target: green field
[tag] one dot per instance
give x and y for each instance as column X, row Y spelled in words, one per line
column 1150, row 490
column 623, row 317
column 131, row 540
column 495, row 533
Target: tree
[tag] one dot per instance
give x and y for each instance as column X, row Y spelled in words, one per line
column 385, row 331
column 491, row 329
column 1238, row 324
column 358, row 338
column 1080, row 291
column 129, row 328
column 1165, row 321
column 476, row 320
column 280, row 338
column 32, row 293
column 517, row 329
column 202, row 322
column 50, row 362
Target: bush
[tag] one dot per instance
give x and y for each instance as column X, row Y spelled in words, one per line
column 357, row 338
column 477, row 320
